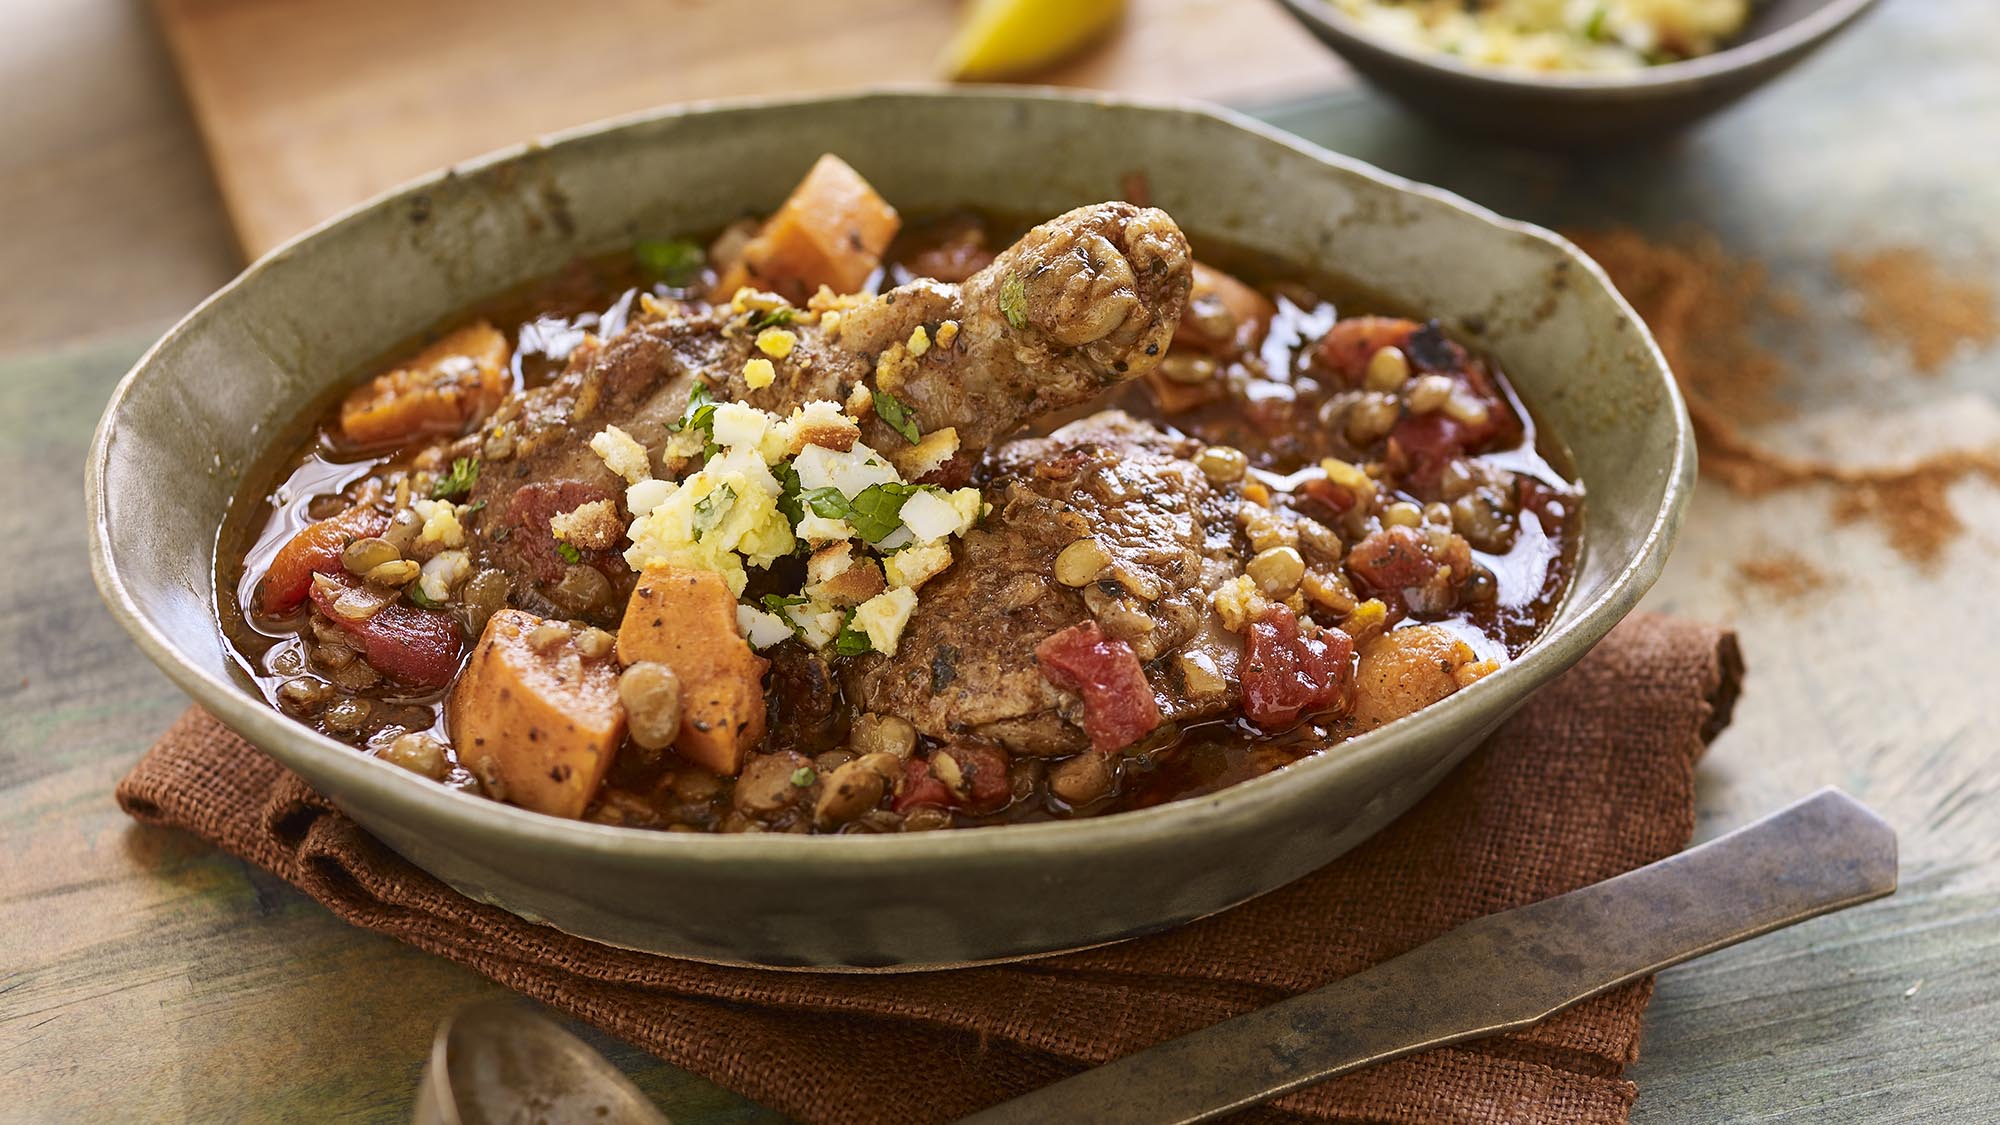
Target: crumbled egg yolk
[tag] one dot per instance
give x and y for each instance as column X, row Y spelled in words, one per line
column 776, row 342
column 726, row 517
column 441, row 525
column 759, row 373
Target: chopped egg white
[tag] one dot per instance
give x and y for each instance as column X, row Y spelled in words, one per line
column 914, row 566
column 930, row 516
column 761, row 628
column 441, row 524
column 442, row 573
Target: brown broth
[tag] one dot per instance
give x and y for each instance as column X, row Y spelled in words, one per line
column 546, row 318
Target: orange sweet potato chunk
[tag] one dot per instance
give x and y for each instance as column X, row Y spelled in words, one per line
column 549, row 718
column 445, row 389
column 831, row 231
column 686, row 619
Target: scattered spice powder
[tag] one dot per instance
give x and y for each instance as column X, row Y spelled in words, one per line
column 1787, row 576
column 1702, row 304
column 1906, row 299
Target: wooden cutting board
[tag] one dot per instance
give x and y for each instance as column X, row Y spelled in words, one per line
column 309, row 106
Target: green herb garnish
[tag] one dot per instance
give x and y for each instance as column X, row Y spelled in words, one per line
column 901, row 418
column 674, row 261
column 700, row 412
column 421, row 599
column 710, row 509
column 877, row 511
column 1593, row 29
column 788, row 492
column 779, row 603
column 464, row 474
column 804, row 776
column 851, row 641
column 569, row 552
column 826, row 503
column 1014, row 300
column 773, row 318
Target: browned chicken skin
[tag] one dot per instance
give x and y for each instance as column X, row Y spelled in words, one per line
column 966, row 661
column 1080, row 303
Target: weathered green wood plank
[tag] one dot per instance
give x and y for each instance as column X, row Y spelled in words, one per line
column 143, row 977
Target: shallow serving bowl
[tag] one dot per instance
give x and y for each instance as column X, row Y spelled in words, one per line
column 1551, row 110
column 202, row 404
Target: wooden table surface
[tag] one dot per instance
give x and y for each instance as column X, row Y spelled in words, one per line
column 145, row 977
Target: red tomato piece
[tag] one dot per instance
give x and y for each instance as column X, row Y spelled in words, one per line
column 982, row 774
column 1348, row 346
column 416, row 647
column 1289, row 672
column 919, row 786
column 529, row 542
column 315, row 549
column 1118, row 703
column 1393, row 558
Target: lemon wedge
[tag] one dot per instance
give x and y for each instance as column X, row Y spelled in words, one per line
column 1004, row 38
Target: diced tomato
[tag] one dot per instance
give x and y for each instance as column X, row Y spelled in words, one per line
column 1348, row 346
column 1289, row 672
column 416, row 647
column 529, row 542
column 919, row 787
column 1118, row 703
column 1426, row 444
column 1324, row 500
column 1393, row 558
column 982, row 772
column 1211, row 292
column 315, row 549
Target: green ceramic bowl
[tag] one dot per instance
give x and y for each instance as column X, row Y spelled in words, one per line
column 201, row 405
column 1574, row 109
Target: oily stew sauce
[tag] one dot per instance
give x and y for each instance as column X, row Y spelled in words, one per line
column 1300, row 522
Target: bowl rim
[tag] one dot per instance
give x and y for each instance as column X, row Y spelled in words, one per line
column 395, row 792
column 1802, row 33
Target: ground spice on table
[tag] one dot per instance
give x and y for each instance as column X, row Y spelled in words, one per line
column 1907, row 299
column 1703, row 305
column 1784, row 575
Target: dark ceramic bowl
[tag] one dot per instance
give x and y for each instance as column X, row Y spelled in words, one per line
column 1560, row 110
column 203, row 403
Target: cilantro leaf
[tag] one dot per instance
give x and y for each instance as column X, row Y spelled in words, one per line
column 464, row 474
column 900, row 417
column 1014, row 300
column 877, row 510
column 710, row 509
column 675, row 261
column 569, row 552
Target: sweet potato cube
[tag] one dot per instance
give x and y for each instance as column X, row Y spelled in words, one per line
column 831, row 231
column 548, row 717
column 686, row 619
column 445, row 389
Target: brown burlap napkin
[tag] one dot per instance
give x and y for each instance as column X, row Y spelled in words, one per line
column 1594, row 778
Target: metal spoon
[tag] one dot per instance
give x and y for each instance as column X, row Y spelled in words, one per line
column 498, row 1063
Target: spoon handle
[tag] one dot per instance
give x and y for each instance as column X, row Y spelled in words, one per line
column 1496, row 973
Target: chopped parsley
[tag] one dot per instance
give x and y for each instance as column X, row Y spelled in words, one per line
column 826, row 503
column 900, row 417
column 1593, row 29
column 773, row 318
column 699, row 415
column 674, row 261
column 779, row 603
column 422, row 600
column 463, row 475
column 1014, row 300
column 804, row 776
column 569, row 552
column 712, row 508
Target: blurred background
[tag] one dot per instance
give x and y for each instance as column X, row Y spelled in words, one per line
column 1818, row 259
